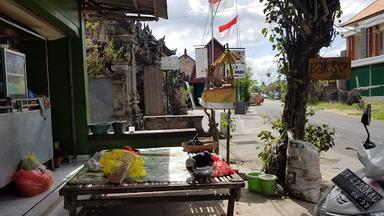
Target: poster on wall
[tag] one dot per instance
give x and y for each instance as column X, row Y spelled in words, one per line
column 201, row 57
column 239, row 67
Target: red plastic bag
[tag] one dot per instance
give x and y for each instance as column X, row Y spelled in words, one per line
column 220, row 167
column 29, row 183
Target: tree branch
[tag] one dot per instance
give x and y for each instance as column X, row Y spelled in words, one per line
column 315, row 12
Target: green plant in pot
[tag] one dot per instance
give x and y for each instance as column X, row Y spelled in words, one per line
column 321, row 136
column 267, row 182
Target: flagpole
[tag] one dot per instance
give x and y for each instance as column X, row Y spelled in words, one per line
column 212, row 42
column 237, row 25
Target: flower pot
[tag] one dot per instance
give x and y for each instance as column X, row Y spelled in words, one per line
column 119, row 126
column 253, row 181
column 268, row 184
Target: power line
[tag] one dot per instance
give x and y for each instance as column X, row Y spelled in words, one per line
column 205, row 28
column 202, row 14
column 211, row 26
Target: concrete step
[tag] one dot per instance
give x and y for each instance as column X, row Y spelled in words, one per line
column 53, row 199
column 12, row 204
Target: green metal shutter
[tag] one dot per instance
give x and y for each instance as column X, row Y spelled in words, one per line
column 363, row 75
column 378, row 79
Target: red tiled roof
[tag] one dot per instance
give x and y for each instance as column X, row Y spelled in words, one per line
column 373, row 9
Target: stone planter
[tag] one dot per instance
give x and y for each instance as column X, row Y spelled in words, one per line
column 240, row 107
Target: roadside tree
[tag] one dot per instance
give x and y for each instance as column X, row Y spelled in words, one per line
column 298, row 30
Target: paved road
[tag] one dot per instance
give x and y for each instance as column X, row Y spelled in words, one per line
column 349, row 131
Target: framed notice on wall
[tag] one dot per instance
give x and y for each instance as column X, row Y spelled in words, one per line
column 336, row 68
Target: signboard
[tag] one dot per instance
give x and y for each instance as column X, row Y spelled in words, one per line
column 239, row 68
column 357, row 190
column 338, row 68
column 201, row 57
column 170, row 63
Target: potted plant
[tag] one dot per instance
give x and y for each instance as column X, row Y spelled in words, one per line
column 119, row 126
column 267, row 182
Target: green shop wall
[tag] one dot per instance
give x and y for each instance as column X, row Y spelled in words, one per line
column 35, row 54
column 378, row 79
column 65, row 55
column 377, row 73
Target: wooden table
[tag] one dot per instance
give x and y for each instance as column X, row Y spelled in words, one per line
column 166, row 182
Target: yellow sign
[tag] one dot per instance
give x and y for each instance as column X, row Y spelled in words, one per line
column 219, row 95
column 336, row 68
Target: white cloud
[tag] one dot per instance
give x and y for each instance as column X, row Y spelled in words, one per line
column 196, row 6
column 261, row 66
column 185, row 28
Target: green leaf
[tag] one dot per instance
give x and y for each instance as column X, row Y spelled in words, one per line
column 271, row 39
column 264, row 31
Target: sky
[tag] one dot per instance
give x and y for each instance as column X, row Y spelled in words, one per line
column 185, row 27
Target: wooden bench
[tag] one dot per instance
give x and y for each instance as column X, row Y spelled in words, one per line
column 149, row 191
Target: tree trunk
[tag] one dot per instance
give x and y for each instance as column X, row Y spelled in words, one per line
column 294, row 114
column 304, row 27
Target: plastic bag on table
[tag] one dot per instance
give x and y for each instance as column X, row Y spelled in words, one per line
column 220, row 167
column 112, row 159
column 303, row 175
column 373, row 161
column 30, row 183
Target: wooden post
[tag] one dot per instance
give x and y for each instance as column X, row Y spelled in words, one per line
column 228, row 134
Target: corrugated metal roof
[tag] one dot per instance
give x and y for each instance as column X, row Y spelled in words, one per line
column 373, row 9
column 126, row 9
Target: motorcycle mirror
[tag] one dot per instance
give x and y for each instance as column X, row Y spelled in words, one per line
column 366, row 118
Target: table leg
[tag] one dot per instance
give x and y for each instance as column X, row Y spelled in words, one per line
column 231, row 202
column 70, row 205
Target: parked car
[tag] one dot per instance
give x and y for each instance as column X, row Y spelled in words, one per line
column 276, row 95
column 256, row 98
column 264, row 95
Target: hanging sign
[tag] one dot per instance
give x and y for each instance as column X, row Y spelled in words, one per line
column 201, row 56
column 170, row 63
column 336, row 68
column 239, row 67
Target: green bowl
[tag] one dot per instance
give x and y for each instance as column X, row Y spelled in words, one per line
column 100, row 128
column 253, row 181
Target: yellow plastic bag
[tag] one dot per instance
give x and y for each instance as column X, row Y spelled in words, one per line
column 112, row 159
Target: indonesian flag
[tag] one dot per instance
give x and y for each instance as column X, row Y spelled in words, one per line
column 213, row 1
column 226, row 28
column 224, row 4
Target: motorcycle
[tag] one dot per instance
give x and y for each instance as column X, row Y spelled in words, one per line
column 360, row 193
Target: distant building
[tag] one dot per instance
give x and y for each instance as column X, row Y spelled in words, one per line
column 365, row 46
column 187, row 65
